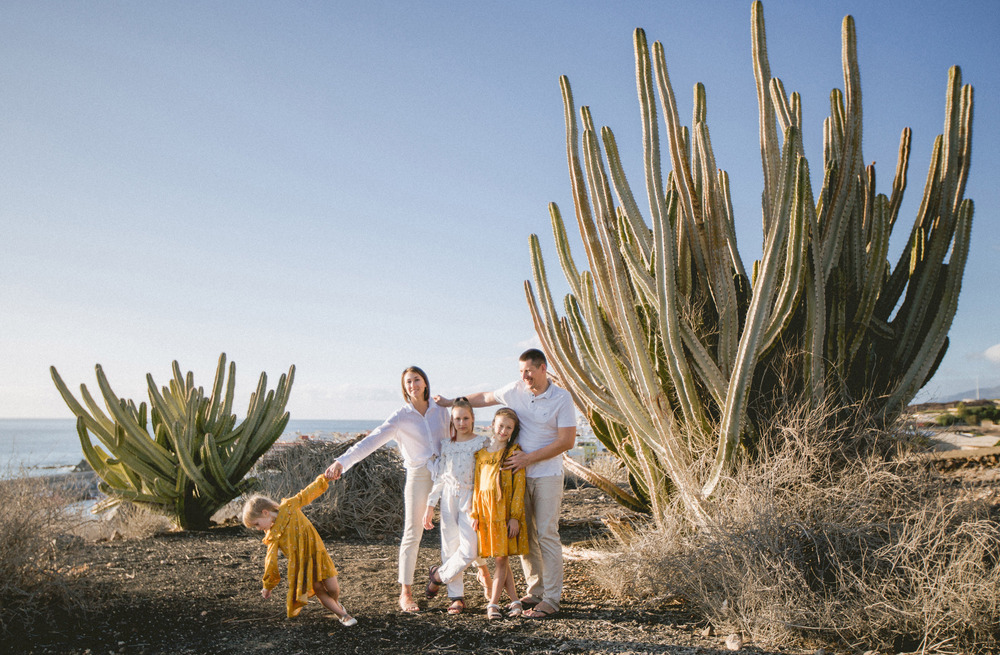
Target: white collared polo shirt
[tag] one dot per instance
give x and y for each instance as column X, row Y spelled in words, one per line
column 541, row 417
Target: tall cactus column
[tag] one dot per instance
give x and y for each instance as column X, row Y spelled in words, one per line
column 678, row 354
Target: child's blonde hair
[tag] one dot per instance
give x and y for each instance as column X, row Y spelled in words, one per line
column 507, row 412
column 255, row 506
column 460, row 403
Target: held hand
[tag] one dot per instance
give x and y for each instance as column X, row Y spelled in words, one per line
column 513, row 528
column 334, row 471
column 266, row 593
column 517, row 460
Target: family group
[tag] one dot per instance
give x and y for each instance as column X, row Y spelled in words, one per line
column 499, row 495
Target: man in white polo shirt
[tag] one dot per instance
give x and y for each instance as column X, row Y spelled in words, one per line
column 548, row 429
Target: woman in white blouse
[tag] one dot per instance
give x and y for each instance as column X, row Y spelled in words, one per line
column 418, row 427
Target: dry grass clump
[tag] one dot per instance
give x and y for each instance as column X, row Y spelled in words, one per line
column 602, row 471
column 34, row 589
column 811, row 542
column 124, row 521
column 608, row 466
column 367, row 501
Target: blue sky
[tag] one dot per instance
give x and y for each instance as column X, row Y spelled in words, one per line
column 349, row 187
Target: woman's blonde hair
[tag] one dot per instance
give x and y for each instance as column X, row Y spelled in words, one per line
column 255, row 506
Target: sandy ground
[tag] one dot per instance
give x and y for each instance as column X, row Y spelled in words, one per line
column 199, row 592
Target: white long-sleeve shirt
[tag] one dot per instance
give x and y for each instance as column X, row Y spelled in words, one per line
column 456, row 467
column 418, row 437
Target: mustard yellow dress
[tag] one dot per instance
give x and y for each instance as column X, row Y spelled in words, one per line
column 498, row 496
column 294, row 535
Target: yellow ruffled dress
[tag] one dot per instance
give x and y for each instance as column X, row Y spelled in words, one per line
column 498, row 496
column 294, row 535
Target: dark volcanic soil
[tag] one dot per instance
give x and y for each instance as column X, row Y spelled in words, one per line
column 199, row 592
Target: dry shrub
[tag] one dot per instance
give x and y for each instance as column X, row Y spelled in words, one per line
column 605, row 465
column 124, row 521
column 608, row 466
column 34, row 588
column 366, row 502
column 811, row 542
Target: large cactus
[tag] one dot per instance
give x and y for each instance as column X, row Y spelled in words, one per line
column 675, row 351
column 196, row 457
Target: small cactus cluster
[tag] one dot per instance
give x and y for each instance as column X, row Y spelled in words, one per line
column 676, row 352
column 195, row 459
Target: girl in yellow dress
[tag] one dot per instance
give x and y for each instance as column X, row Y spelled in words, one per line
column 310, row 569
column 498, row 510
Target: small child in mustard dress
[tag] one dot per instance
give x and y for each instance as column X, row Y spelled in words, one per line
column 498, row 509
column 310, row 569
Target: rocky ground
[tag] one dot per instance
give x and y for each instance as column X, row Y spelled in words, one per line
column 199, row 592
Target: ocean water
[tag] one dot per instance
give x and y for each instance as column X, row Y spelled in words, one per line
column 44, row 446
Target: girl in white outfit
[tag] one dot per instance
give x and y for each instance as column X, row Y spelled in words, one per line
column 453, row 486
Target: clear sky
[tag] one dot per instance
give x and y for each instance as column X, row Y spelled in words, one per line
column 349, row 186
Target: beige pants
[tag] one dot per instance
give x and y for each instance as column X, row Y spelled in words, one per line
column 415, row 493
column 543, row 565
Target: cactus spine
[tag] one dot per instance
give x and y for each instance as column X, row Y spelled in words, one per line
column 675, row 353
column 195, row 459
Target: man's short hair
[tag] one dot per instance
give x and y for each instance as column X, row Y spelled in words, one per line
column 533, row 355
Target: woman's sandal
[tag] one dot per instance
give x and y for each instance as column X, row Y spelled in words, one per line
column 457, row 606
column 515, row 608
column 408, row 606
column 433, row 586
column 493, row 612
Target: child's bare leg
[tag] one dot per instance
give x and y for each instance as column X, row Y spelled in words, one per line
column 485, row 579
column 510, row 586
column 328, row 592
column 501, row 570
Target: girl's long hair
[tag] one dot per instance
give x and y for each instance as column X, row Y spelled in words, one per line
column 461, row 401
column 511, row 414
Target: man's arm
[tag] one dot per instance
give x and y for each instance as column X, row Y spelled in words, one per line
column 482, row 399
column 565, row 439
column 478, row 399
